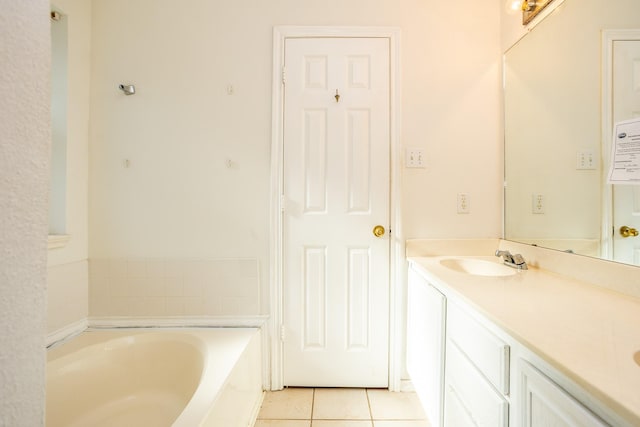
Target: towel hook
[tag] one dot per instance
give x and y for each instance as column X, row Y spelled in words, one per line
column 127, row 89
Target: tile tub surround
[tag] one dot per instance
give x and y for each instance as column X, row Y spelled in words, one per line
column 326, row 407
column 173, row 287
column 588, row 333
column 67, row 282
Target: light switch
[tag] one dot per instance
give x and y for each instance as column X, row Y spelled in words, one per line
column 586, row 160
column 414, row 158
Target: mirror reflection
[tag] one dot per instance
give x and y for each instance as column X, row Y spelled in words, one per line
column 562, row 96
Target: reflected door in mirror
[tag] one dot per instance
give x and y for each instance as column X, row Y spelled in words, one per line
column 626, row 105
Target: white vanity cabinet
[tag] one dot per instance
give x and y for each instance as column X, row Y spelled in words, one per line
column 425, row 343
column 468, row 371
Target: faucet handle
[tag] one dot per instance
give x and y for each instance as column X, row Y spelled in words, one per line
column 519, row 261
column 506, row 255
column 516, row 260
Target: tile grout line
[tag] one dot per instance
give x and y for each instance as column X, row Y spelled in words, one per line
column 366, row 391
column 313, row 404
column 371, row 419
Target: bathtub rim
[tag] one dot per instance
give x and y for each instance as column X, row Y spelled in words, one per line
column 262, row 321
column 64, row 334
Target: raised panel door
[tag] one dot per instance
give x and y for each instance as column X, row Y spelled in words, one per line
column 336, row 190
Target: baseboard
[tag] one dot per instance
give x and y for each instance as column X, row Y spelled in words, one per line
column 406, row 386
column 179, row 322
column 67, row 332
column 255, row 411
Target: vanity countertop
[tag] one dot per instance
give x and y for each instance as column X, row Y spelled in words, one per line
column 588, row 333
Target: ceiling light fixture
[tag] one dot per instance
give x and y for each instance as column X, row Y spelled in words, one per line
column 528, row 5
column 531, row 8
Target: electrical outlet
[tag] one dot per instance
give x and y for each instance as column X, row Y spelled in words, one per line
column 585, row 160
column 414, row 158
column 464, row 206
column 538, row 204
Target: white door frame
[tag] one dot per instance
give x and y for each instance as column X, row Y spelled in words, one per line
column 397, row 262
column 608, row 38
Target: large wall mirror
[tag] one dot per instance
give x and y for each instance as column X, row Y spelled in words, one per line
column 59, row 118
column 560, row 102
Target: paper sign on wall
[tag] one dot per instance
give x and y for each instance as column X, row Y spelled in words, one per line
column 625, row 153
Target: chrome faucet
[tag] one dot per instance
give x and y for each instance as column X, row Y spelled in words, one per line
column 515, row 261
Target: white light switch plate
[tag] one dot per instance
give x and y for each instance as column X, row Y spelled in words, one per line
column 585, row 160
column 414, row 158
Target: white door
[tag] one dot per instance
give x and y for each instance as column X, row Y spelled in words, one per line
column 626, row 105
column 336, row 190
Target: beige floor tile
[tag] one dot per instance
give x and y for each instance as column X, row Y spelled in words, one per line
column 341, row 404
column 283, row 423
column 288, row 404
column 386, row 405
column 340, row 423
column 413, row 423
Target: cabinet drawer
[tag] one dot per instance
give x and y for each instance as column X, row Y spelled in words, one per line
column 487, row 352
column 468, row 391
column 456, row 415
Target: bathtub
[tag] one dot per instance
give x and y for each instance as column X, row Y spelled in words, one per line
column 176, row 377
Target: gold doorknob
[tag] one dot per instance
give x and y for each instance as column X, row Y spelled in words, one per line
column 628, row 231
column 378, row 231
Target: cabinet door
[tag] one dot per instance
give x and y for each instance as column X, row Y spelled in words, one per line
column 544, row 404
column 425, row 344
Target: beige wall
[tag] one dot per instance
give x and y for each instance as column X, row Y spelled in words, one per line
column 24, row 176
column 67, row 282
column 178, row 198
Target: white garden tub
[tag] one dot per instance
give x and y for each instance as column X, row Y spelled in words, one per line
column 181, row 378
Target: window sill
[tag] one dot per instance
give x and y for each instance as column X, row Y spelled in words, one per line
column 57, row 241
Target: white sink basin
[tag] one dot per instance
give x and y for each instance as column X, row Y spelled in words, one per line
column 477, row 267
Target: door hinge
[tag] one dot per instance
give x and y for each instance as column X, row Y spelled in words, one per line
column 282, row 332
column 282, row 202
column 284, row 75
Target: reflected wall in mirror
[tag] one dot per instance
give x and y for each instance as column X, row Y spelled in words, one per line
column 554, row 167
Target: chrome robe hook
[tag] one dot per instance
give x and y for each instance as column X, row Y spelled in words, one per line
column 128, row 89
